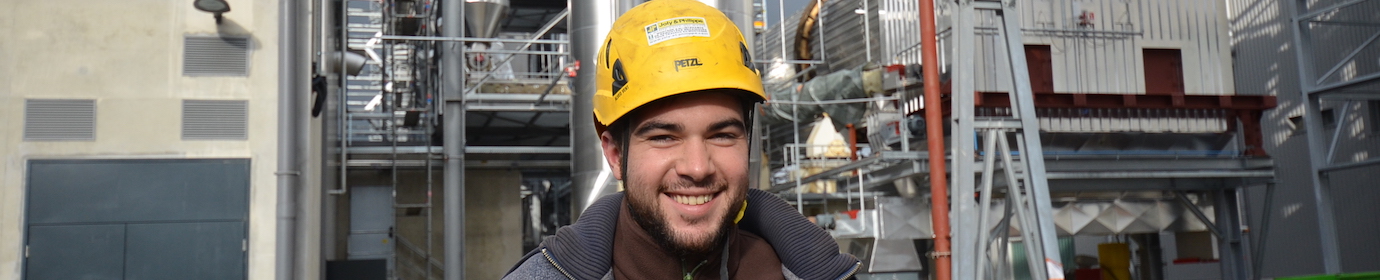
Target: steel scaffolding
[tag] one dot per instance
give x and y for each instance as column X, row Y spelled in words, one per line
column 1027, row 200
column 1329, row 86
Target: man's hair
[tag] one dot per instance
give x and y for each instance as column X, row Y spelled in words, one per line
column 621, row 130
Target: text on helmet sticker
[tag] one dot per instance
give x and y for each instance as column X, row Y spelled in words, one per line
column 687, row 63
column 680, row 27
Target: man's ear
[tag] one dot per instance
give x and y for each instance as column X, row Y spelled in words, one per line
column 612, row 154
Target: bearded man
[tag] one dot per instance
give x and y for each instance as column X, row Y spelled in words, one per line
column 676, row 89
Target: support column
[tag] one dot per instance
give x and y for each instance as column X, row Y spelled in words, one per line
column 1312, row 117
column 1228, row 223
column 453, row 87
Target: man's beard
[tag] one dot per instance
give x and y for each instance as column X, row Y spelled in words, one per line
column 646, row 214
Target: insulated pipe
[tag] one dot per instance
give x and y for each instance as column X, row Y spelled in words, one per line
column 934, row 134
column 324, row 21
column 453, row 186
column 591, row 176
column 741, row 13
column 293, row 95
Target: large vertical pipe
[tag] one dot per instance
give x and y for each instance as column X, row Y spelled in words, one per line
column 741, row 13
column 292, row 131
column 325, row 20
column 452, row 77
column 591, row 177
column 934, row 135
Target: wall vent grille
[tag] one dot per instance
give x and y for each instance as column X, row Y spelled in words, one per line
column 59, row 119
column 215, row 119
column 215, row 56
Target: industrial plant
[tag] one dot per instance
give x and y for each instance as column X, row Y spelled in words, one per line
column 931, row 139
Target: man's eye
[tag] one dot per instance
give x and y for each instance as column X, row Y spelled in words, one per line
column 725, row 136
column 660, row 138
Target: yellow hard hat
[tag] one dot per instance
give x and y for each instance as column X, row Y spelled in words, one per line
column 667, row 47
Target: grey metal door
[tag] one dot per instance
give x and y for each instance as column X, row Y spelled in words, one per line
column 136, row 219
column 371, row 223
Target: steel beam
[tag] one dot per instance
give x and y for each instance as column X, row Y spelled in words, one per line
column 515, row 108
column 471, row 164
column 1233, row 260
column 1031, row 148
column 1162, row 174
column 1182, row 198
column 1315, row 13
column 1329, row 89
column 1322, row 193
column 964, row 229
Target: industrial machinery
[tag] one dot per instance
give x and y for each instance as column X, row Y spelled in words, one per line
column 1124, row 151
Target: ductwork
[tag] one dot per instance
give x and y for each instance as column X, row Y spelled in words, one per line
column 483, row 17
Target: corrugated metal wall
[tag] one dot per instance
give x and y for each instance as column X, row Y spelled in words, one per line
column 1262, row 41
column 1105, row 54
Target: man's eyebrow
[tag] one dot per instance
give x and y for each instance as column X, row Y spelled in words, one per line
column 734, row 123
column 649, row 126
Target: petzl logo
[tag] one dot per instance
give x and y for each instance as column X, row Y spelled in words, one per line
column 688, row 62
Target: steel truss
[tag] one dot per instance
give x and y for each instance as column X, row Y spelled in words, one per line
column 1315, row 88
column 1028, row 200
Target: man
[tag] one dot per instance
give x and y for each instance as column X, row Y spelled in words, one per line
column 676, row 87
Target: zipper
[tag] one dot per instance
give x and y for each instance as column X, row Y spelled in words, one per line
column 851, row 271
column 557, row 265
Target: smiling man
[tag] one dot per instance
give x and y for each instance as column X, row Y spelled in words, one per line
column 676, row 90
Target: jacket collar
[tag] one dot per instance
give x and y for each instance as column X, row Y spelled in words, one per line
column 584, row 250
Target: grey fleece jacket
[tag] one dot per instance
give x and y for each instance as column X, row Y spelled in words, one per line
column 584, row 250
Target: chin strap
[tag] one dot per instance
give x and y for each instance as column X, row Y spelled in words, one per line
column 740, row 212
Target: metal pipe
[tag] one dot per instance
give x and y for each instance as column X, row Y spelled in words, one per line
column 330, row 125
column 591, row 176
column 934, row 136
column 342, row 125
column 292, row 132
column 453, row 77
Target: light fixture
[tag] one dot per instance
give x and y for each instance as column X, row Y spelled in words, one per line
column 216, row 7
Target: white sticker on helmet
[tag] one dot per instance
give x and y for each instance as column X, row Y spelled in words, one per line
column 680, row 27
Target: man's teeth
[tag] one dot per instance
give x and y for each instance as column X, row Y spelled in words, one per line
column 692, row 200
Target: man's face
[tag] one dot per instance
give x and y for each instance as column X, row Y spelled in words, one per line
column 687, row 168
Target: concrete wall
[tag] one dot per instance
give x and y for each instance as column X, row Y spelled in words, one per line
column 493, row 217
column 127, row 55
column 1262, row 41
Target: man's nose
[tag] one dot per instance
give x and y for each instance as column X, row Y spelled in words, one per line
column 696, row 164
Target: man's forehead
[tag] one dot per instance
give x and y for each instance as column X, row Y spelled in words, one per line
column 655, row 111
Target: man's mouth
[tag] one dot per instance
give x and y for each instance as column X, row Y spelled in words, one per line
column 692, row 199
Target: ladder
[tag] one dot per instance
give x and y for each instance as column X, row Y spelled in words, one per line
column 1027, row 191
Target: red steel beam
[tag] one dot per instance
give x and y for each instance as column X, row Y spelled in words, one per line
column 1244, row 108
